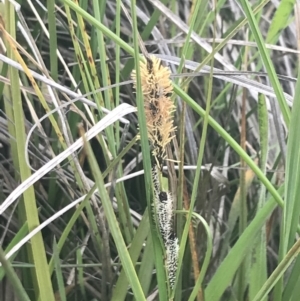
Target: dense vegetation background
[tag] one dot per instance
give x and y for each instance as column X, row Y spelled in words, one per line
column 75, row 219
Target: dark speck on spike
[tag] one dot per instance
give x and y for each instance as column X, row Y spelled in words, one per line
column 172, row 236
column 163, row 197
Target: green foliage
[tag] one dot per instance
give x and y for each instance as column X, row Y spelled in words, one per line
column 77, row 214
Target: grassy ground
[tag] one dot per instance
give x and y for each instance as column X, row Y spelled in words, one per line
column 77, row 220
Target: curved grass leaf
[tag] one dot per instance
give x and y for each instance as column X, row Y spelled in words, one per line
column 280, row 20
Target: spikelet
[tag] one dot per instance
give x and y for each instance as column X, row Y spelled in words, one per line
column 157, row 89
column 164, row 211
column 162, row 206
column 155, row 78
column 172, row 249
column 165, row 215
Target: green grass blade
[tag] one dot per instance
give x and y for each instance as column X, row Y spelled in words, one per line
column 226, row 271
column 80, row 270
column 291, row 288
column 292, row 208
column 121, row 288
column 267, row 61
column 114, row 227
column 147, row 266
column 208, row 253
column 58, row 273
column 27, row 207
column 52, row 39
column 258, row 272
column 21, row 234
column 13, row 278
column 280, row 20
column 278, row 272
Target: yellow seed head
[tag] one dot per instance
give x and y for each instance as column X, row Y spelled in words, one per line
column 157, row 89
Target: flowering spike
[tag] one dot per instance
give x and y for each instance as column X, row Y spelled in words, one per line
column 157, row 89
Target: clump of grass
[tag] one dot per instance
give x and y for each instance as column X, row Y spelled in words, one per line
column 73, row 219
